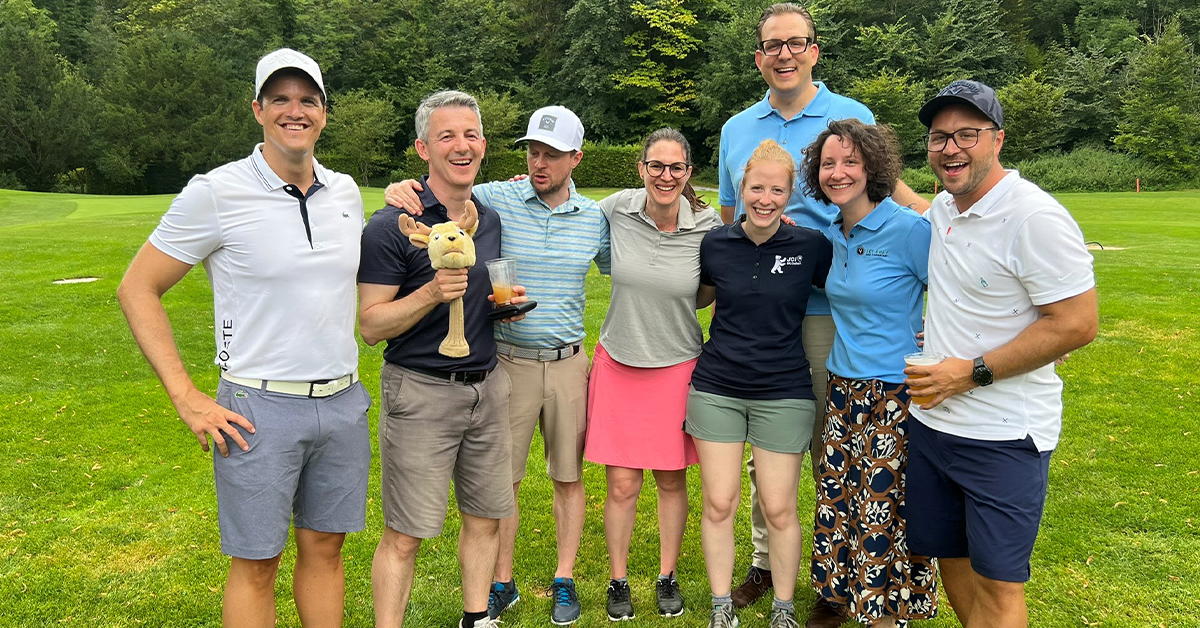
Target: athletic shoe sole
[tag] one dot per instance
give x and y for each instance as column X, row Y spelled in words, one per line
column 671, row 614
column 611, row 618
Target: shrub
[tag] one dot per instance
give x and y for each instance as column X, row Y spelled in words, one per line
column 921, row 180
column 603, row 166
column 1091, row 169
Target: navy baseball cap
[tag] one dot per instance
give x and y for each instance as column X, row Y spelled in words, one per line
column 972, row 93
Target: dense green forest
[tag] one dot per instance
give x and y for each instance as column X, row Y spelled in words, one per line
column 135, row 96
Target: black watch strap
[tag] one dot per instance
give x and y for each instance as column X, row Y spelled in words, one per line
column 981, row 373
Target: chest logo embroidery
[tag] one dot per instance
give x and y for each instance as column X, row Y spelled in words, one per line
column 781, row 261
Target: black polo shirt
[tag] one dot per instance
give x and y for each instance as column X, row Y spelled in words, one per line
column 389, row 259
column 755, row 348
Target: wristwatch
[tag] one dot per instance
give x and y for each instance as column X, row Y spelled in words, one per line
column 981, row 373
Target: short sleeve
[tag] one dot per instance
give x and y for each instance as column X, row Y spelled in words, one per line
column 487, row 192
column 1050, row 258
column 916, row 248
column 824, row 260
column 706, row 261
column 610, row 203
column 725, row 193
column 383, row 250
column 190, row 230
column 603, row 257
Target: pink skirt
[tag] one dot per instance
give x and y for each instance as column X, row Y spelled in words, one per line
column 635, row 415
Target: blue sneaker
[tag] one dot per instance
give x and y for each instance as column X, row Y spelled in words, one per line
column 502, row 596
column 566, row 602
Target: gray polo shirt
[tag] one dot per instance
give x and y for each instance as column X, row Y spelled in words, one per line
column 651, row 319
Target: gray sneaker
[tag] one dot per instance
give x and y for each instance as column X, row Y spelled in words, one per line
column 501, row 597
column 620, row 604
column 566, row 602
column 723, row 617
column 670, row 600
column 783, row 618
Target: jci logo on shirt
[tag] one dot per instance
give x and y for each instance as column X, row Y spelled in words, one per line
column 781, row 261
column 872, row 252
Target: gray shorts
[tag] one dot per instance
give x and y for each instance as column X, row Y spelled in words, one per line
column 432, row 430
column 777, row 425
column 308, row 459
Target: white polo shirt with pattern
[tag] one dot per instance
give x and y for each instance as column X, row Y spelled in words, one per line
column 990, row 267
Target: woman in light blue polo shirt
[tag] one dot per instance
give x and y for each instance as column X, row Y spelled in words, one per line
column 861, row 567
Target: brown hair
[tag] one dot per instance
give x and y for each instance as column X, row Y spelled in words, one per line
column 673, row 135
column 768, row 152
column 779, row 9
column 876, row 144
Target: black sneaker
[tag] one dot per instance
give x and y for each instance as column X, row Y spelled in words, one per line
column 566, row 602
column 620, row 604
column 502, row 596
column 670, row 600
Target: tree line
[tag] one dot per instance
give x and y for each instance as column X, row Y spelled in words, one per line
column 136, row 96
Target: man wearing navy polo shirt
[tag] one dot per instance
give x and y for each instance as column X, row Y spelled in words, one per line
column 278, row 235
column 795, row 110
column 441, row 417
column 1011, row 289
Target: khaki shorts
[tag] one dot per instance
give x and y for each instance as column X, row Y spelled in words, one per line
column 432, row 430
column 552, row 395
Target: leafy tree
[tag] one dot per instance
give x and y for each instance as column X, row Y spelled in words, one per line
column 1091, row 100
column 597, row 30
column 660, row 83
column 357, row 138
column 1032, row 116
column 501, row 118
column 728, row 81
column 895, row 98
column 1160, row 118
column 45, row 129
column 967, row 40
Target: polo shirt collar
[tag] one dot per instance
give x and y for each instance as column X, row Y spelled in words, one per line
column 737, row 232
column 878, row 216
column 993, row 196
column 817, row 107
column 272, row 181
column 637, row 207
column 431, row 203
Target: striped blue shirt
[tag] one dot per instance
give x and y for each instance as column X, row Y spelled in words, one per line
column 554, row 247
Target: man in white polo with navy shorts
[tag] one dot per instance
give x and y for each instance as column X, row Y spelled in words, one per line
column 279, row 237
column 1011, row 289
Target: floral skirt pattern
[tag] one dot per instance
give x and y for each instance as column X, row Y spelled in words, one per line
column 860, row 559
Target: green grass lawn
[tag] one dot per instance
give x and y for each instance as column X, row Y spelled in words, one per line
column 108, row 516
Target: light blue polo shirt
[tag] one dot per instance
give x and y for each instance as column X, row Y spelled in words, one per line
column 876, row 289
column 745, row 131
column 554, row 247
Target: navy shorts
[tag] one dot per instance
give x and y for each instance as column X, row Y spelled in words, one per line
column 975, row 499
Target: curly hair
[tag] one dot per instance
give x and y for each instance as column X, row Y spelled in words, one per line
column 876, row 144
column 768, row 152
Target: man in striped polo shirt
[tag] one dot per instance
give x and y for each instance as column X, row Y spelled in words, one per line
column 554, row 233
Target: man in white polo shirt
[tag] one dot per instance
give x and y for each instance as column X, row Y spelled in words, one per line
column 1010, row 290
column 279, row 237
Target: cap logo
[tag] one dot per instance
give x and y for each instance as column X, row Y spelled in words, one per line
column 547, row 123
column 960, row 87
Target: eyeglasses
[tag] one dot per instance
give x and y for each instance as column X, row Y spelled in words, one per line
column 963, row 138
column 795, row 45
column 655, row 168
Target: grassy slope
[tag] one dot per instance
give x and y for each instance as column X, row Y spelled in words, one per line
column 107, row 513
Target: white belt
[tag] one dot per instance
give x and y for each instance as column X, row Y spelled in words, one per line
column 541, row 355
column 323, row 388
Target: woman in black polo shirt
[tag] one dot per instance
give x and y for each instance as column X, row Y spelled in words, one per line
column 752, row 381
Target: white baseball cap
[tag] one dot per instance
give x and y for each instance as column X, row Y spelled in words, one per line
column 557, row 126
column 282, row 59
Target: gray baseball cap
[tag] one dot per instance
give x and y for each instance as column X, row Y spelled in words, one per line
column 972, row 93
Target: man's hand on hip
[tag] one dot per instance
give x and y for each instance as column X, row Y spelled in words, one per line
column 205, row 417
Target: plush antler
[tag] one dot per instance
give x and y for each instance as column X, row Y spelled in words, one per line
column 470, row 218
column 416, row 232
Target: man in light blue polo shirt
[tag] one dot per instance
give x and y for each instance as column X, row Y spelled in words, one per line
column 793, row 112
column 554, row 233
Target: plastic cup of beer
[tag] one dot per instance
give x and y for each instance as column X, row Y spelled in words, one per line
column 923, row 358
column 503, row 273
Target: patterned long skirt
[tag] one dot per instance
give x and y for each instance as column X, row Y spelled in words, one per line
column 860, row 559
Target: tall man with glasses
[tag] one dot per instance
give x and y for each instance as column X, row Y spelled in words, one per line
column 1010, row 290
column 279, row 238
column 794, row 111
column 554, row 233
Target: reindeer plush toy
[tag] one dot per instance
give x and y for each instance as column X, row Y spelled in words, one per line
column 450, row 246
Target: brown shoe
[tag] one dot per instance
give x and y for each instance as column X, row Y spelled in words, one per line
column 825, row 615
column 756, row 585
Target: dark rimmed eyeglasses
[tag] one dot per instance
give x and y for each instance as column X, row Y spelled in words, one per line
column 656, row 168
column 795, row 45
column 963, row 138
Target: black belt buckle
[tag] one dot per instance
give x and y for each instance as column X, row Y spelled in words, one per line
column 470, row 377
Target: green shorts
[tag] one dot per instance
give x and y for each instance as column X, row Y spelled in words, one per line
column 779, row 425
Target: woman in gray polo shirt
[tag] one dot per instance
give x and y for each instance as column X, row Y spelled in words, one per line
column 648, row 347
